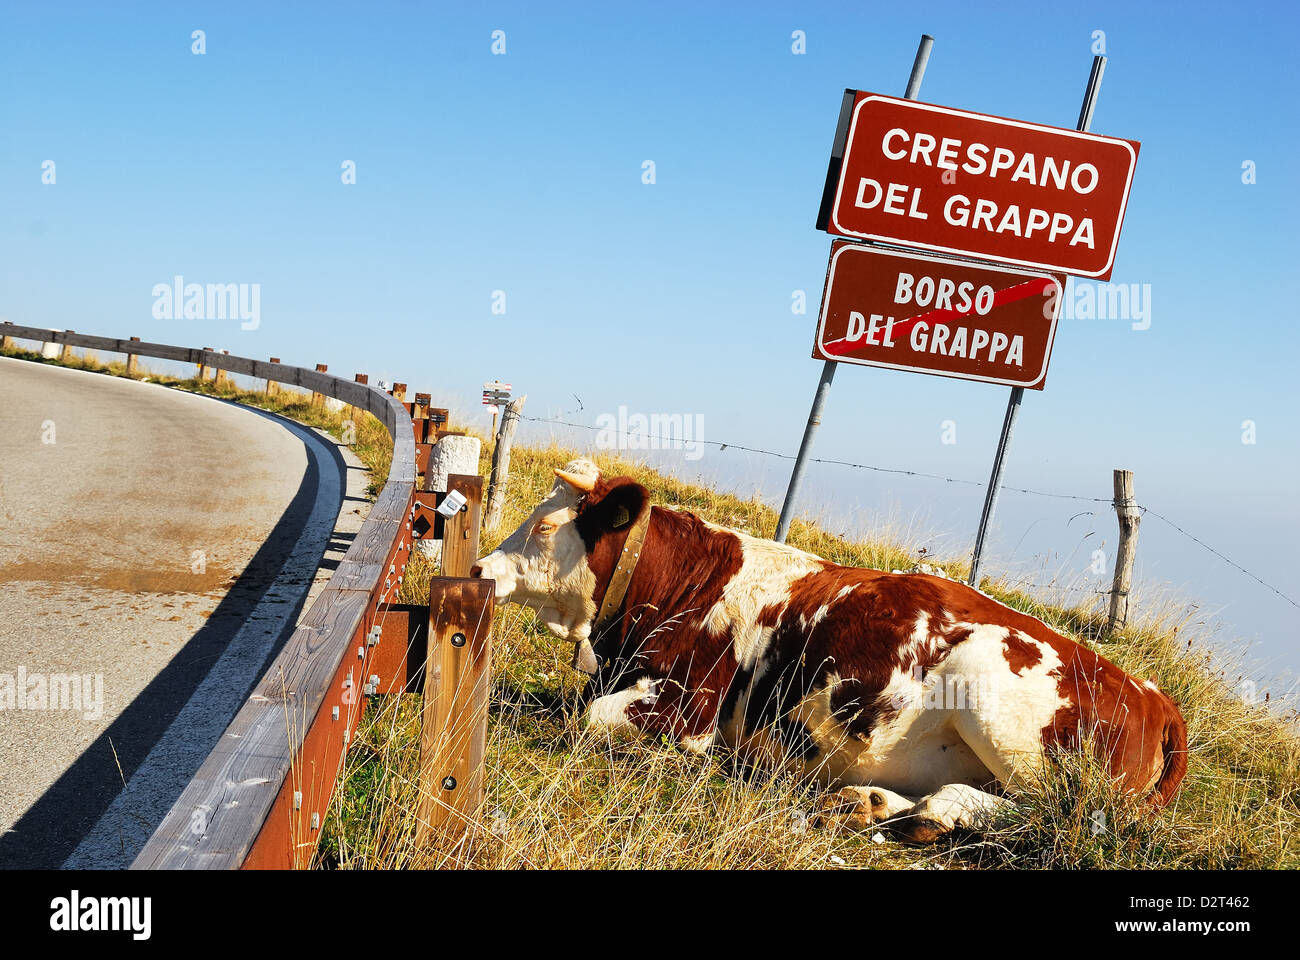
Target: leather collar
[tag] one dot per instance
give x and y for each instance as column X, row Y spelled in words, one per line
column 584, row 658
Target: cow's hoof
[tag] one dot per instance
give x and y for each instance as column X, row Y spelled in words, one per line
column 921, row 830
column 851, row 809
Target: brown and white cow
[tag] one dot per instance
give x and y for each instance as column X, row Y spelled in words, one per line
column 914, row 694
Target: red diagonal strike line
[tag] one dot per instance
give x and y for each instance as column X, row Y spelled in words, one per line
column 1020, row 291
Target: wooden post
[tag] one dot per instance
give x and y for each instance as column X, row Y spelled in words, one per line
column 203, row 367
column 1130, row 516
column 420, row 428
column 220, row 378
column 273, row 388
column 6, row 341
column 132, row 362
column 349, row 411
column 453, row 740
column 420, row 411
column 318, row 399
column 437, row 423
column 460, row 533
column 65, row 353
column 496, row 495
column 398, row 392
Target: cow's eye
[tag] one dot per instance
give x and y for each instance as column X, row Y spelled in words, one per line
column 544, row 528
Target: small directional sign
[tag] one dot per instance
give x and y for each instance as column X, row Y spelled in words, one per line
column 495, row 395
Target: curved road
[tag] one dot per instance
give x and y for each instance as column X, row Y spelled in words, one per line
column 154, row 545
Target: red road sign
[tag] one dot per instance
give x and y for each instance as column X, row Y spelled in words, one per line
column 904, row 311
column 951, row 181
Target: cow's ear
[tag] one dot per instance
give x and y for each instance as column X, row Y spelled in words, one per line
column 614, row 506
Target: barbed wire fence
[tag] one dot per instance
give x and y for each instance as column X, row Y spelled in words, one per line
column 899, row 471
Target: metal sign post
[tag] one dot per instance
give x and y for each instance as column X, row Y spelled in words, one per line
column 1017, row 393
column 828, row 369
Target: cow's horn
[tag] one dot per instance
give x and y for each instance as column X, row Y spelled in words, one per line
column 585, row 484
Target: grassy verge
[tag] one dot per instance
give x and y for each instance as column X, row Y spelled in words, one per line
column 561, row 797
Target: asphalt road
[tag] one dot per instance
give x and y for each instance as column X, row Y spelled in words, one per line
column 153, row 545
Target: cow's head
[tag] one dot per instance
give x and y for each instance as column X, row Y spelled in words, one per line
column 556, row 561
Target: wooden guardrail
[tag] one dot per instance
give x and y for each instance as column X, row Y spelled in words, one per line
column 260, row 796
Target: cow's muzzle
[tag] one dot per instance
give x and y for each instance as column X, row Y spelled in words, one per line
column 495, row 567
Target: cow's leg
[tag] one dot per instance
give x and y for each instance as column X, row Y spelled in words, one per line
column 950, row 807
column 616, row 712
column 640, row 709
column 858, row 808
column 1006, row 708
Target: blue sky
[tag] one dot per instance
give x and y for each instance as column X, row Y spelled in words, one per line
column 523, row 173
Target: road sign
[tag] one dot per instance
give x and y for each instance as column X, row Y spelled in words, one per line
column 928, row 314
column 951, row 181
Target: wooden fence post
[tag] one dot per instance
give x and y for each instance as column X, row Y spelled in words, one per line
column 7, row 342
column 420, row 426
column 496, row 495
column 203, row 367
column 65, row 353
column 349, row 411
column 221, row 377
column 420, row 412
column 1130, row 516
column 132, row 361
column 453, row 739
column 460, row 533
column 398, row 392
column 426, row 432
column 273, row 388
column 318, row 399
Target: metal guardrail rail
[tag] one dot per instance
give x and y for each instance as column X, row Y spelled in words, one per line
column 259, row 798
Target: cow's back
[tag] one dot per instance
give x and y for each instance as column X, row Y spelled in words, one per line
column 858, row 665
